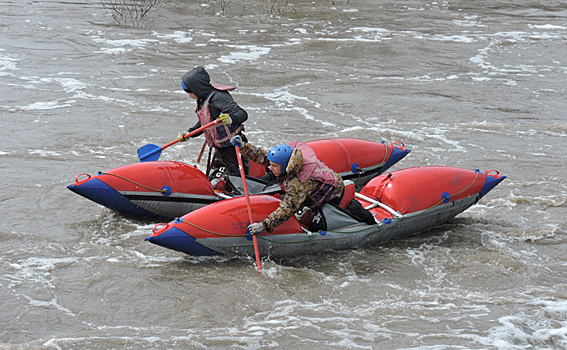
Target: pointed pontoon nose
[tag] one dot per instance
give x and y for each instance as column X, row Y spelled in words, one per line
column 491, row 182
column 101, row 193
column 174, row 238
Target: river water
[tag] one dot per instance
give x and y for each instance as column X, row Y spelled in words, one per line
column 474, row 84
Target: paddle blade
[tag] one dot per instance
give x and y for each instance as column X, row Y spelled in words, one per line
column 149, row 153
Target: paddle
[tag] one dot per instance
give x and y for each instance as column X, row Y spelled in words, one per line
column 151, row 152
column 243, row 176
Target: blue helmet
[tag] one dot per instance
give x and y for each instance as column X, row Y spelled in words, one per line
column 280, row 155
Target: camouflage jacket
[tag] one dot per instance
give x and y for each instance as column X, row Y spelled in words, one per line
column 296, row 192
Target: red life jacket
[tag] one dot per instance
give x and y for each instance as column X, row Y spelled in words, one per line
column 313, row 167
column 212, row 136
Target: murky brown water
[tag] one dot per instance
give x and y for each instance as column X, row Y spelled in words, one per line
column 461, row 83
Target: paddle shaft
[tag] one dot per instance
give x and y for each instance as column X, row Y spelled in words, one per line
column 196, row 131
column 245, row 186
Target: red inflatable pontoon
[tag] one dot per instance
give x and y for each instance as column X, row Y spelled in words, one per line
column 402, row 203
column 168, row 189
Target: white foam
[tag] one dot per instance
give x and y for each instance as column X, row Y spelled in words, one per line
column 113, row 51
column 68, row 84
column 454, row 38
column 547, row 326
column 44, row 106
column 469, row 21
column 44, row 153
column 177, row 36
column 287, row 101
column 122, row 45
column 369, row 29
column 244, row 53
column 546, row 26
column 8, row 63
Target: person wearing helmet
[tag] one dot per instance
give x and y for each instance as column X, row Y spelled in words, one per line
column 305, row 180
column 216, row 102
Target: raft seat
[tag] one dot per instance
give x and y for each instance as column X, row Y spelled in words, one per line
column 350, row 191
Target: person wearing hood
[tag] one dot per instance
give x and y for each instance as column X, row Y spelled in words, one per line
column 216, row 102
column 306, row 180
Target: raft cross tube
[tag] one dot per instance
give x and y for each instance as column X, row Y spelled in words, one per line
column 376, row 203
column 222, row 195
